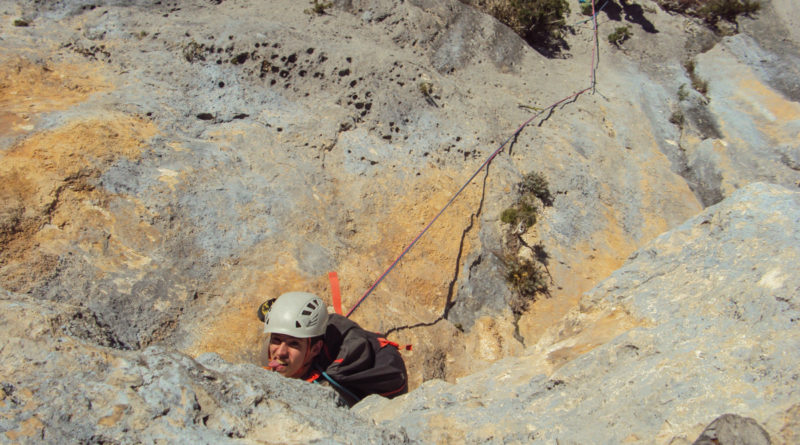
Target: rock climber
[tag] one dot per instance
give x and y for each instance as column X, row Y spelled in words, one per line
column 305, row 342
column 296, row 325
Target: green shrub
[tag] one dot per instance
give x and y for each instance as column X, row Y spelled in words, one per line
column 193, row 51
column 21, row 22
column 318, row 7
column 536, row 184
column 620, row 34
column 509, row 215
column 712, row 11
column 528, row 279
column 728, row 10
column 524, row 210
column 426, row 88
column 525, row 277
column 521, row 212
column 534, row 20
column 677, row 118
column 698, row 84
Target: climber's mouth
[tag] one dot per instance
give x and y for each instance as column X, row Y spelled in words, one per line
column 277, row 365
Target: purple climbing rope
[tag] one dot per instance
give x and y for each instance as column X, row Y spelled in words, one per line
column 484, row 165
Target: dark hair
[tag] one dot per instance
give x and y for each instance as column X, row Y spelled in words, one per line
column 314, row 340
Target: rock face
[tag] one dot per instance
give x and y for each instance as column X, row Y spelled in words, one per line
column 732, row 429
column 58, row 389
column 701, row 321
column 167, row 166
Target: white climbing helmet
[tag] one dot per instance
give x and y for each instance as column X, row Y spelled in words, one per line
column 299, row 314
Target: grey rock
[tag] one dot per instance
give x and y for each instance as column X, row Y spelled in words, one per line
column 697, row 327
column 730, row 429
column 57, row 389
column 286, row 144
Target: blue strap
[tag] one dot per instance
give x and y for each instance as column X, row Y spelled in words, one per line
column 338, row 386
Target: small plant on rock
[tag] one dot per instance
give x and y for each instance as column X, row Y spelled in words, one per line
column 621, row 34
column 537, row 21
column 318, row 7
column 426, row 88
column 698, row 84
column 728, row 10
column 677, row 118
column 193, row 51
column 521, row 213
column 536, row 185
column 527, row 279
column 712, row 11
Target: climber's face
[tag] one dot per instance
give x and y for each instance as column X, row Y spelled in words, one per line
column 291, row 356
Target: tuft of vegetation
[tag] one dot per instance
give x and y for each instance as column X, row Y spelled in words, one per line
column 318, row 7
column 536, row 184
column 528, row 279
column 620, row 34
column 537, row 21
column 586, row 9
column 21, row 23
column 522, row 212
column 698, row 84
column 712, row 11
column 426, row 88
column 728, row 10
column 194, row 51
column 677, row 118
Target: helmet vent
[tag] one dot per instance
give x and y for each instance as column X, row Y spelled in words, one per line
column 297, row 324
column 306, row 312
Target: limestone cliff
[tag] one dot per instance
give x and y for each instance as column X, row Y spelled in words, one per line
column 166, row 166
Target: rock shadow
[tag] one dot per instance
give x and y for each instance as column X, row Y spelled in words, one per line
column 549, row 46
column 633, row 13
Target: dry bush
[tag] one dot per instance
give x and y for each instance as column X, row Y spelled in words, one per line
column 537, row 21
column 712, row 11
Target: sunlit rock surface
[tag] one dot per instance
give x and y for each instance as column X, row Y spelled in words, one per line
column 167, row 166
column 700, row 322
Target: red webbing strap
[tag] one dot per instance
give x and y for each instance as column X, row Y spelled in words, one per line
column 313, row 376
column 335, row 294
column 387, row 394
column 384, row 342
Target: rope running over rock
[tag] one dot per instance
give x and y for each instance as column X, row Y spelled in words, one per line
column 488, row 160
